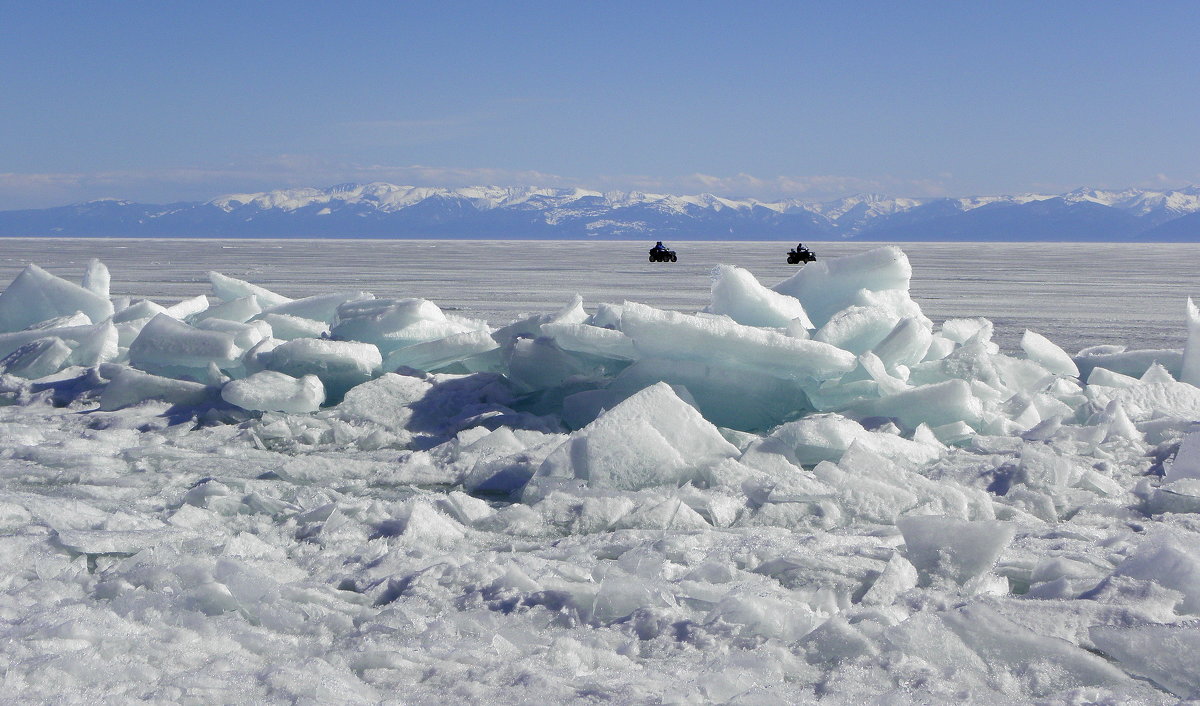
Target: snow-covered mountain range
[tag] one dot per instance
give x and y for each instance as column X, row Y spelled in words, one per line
column 387, row 210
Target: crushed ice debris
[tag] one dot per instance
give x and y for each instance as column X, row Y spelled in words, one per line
column 803, row 491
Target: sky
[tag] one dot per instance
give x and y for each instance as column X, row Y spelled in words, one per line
column 160, row 102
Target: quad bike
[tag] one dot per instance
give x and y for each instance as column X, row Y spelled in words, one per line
column 663, row 255
column 797, row 255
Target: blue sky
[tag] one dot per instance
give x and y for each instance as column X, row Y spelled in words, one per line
column 157, row 102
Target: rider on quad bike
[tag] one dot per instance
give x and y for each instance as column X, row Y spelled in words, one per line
column 800, row 254
column 659, row 253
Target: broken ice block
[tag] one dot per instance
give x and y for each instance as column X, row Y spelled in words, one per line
column 321, row 307
column 36, row 295
column 1042, row 350
column 949, row 548
column 653, row 438
column 37, row 358
column 269, row 391
column 826, row 287
column 170, row 347
column 339, row 364
column 668, row 334
column 227, row 289
column 130, row 387
column 737, row 294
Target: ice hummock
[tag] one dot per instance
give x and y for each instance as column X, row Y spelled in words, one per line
column 808, row 490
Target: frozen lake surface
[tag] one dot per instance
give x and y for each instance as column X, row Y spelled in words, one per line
column 827, row 492
column 1077, row 294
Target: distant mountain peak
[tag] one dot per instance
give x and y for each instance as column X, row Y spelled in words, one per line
column 382, row 209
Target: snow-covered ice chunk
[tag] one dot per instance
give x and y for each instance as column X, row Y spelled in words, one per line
column 1043, row 351
column 593, row 340
column 897, row 577
column 954, row 549
column 729, row 397
column 100, row 345
column 369, row 319
column 1132, row 363
column 668, row 334
column 386, row 400
column 1155, row 374
column 1107, row 378
column 737, row 294
column 939, row 347
column 140, row 309
column 1189, row 367
column 671, row 513
column 96, row 339
column 826, row 287
column 77, row 319
column 130, row 387
column 906, row 344
column 935, row 404
column 651, row 439
column 767, row 612
column 962, row 330
column 320, row 307
column 169, row 346
column 857, row 328
column 1187, row 460
column 228, row 289
column 439, row 353
column 504, row 462
column 37, row 358
column 1169, row 564
column 96, row 278
column 1147, row 401
column 269, row 391
column 36, row 295
column 238, row 310
column 538, row 364
column 1163, row 654
column 532, row 326
column 1051, row 665
column 825, row 437
column 339, row 364
column 256, row 359
column 188, row 307
column 244, row 335
column 287, row 327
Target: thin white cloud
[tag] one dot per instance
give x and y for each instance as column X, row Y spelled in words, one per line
column 808, row 188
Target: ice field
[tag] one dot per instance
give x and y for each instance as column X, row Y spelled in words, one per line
column 1081, row 294
column 353, row 473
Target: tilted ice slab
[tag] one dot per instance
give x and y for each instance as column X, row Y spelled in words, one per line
column 36, row 295
column 230, row 289
column 669, row 334
column 737, row 294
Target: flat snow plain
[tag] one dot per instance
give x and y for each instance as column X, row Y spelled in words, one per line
column 1035, row 542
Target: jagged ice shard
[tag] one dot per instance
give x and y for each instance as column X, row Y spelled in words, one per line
column 804, row 491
